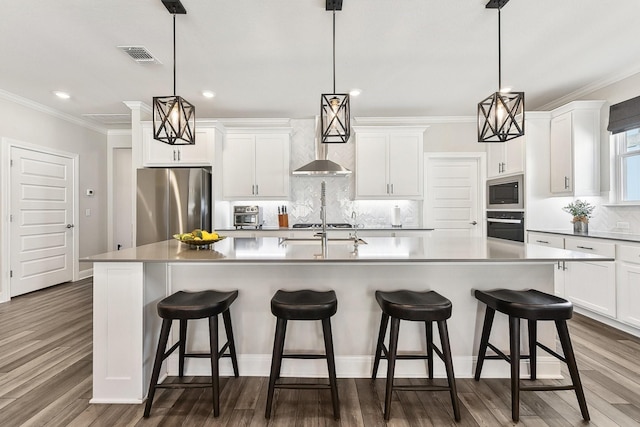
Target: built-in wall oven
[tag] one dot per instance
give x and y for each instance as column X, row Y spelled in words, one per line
column 507, row 225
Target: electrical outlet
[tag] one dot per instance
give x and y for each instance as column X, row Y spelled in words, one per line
column 624, row 225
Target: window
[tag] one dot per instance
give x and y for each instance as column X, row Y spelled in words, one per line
column 628, row 165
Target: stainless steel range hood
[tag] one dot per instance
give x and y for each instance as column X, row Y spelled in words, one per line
column 321, row 166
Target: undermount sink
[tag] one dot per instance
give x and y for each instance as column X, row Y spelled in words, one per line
column 318, row 241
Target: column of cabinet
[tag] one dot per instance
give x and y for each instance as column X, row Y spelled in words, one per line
column 628, row 274
column 256, row 165
column 505, row 158
column 389, row 163
column 575, row 149
column 158, row 154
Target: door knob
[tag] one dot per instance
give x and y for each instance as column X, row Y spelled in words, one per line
column 69, row 225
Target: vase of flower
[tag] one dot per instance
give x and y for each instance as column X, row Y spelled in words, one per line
column 581, row 212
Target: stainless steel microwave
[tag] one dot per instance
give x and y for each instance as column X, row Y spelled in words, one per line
column 506, row 193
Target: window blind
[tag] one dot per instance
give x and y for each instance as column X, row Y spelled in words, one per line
column 624, row 115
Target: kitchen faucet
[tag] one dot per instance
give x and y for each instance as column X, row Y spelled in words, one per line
column 323, row 217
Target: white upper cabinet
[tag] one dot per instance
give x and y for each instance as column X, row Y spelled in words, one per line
column 389, row 162
column 575, row 149
column 156, row 153
column 256, row 164
column 505, row 158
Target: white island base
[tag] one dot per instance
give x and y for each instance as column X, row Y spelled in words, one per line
column 128, row 284
column 126, row 324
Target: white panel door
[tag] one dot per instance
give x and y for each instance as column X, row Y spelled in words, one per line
column 41, row 220
column 452, row 196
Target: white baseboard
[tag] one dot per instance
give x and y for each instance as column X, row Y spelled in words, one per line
column 83, row 274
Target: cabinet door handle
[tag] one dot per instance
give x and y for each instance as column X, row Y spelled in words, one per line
column 257, row 191
column 178, row 154
column 391, row 188
column 566, row 182
column 584, row 247
column 543, row 241
column 174, row 155
column 388, row 189
column 499, row 167
column 253, row 189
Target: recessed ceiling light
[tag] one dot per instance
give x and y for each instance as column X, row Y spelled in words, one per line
column 61, row 95
column 208, row 94
column 355, row 92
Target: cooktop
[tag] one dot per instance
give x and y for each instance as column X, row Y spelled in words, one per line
column 329, row 225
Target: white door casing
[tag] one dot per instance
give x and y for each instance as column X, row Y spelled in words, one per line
column 42, row 234
column 454, row 193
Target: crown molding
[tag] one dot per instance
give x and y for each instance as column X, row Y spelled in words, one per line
column 414, row 121
column 257, row 122
column 11, row 97
column 116, row 132
column 592, row 87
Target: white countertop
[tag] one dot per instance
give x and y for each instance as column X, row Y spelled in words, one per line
column 429, row 247
column 610, row 235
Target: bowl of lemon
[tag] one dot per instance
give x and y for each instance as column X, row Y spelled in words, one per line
column 199, row 238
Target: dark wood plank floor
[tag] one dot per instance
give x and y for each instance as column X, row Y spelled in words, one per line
column 45, row 380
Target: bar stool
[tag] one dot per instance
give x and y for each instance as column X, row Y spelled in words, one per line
column 303, row 305
column 414, row 306
column 532, row 305
column 186, row 306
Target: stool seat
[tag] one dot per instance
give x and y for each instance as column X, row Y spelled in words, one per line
column 195, row 305
column 428, row 306
column 527, row 304
column 304, row 305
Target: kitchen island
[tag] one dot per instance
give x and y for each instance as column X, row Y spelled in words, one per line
column 129, row 283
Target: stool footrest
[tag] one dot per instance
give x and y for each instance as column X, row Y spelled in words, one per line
column 546, row 387
column 184, row 385
column 304, row 356
column 385, row 353
column 421, row 387
column 308, row 386
column 551, row 352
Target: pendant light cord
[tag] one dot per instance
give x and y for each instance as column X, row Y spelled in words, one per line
column 499, row 54
column 334, row 47
column 174, row 54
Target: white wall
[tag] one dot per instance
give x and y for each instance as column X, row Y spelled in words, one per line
column 36, row 127
column 453, row 137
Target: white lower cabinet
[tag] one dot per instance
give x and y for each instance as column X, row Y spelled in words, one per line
column 628, row 273
column 588, row 284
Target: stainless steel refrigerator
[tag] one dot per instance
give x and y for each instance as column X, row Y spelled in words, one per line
column 170, row 201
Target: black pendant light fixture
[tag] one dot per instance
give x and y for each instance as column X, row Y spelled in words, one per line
column 501, row 115
column 174, row 118
column 335, row 120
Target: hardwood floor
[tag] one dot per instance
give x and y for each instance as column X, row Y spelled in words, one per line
column 45, row 379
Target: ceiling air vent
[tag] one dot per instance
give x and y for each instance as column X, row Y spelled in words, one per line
column 140, row 54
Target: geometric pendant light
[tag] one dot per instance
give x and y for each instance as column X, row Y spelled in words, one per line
column 500, row 115
column 335, row 119
column 174, row 118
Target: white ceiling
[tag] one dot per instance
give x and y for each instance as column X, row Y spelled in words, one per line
column 272, row 58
